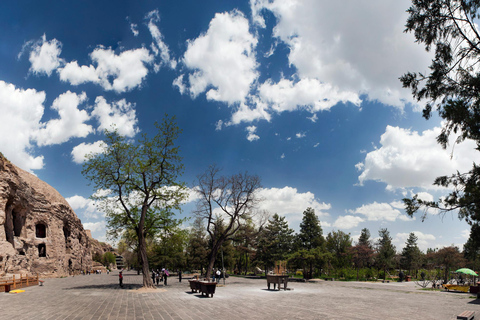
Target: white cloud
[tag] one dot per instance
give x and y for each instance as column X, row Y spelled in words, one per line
column 120, row 114
column 87, row 207
column 347, row 46
column 158, row 46
column 134, row 28
column 424, row 241
column 251, row 136
column 347, row 222
column 409, row 159
column 288, row 201
column 44, row 57
column 24, row 110
column 301, row 135
column 79, row 152
column 127, row 69
column 95, row 227
column 309, row 94
column 380, row 211
column 71, row 123
column 223, row 58
column 178, row 82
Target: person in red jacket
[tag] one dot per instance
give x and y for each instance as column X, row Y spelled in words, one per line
column 120, row 278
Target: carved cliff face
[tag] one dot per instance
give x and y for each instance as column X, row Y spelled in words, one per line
column 39, row 231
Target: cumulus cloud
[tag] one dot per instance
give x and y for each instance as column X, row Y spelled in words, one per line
column 347, row 222
column 309, row 94
column 95, row 226
column 127, row 69
column 287, row 201
column 24, row 110
column 45, row 56
column 87, row 207
column 409, row 159
column 223, row 59
column 83, row 149
column 120, row 114
column 380, row 211
column 70, row 124
column 251, row 136
column 345, row 47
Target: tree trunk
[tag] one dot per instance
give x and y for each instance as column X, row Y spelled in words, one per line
column 142, row 249
column 213, row 256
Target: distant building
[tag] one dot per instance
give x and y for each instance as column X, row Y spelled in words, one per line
column 119, row 262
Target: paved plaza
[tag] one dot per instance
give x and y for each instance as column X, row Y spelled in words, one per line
column 100, row 297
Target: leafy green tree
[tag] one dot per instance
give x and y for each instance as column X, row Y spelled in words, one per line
column 452, row 87
column 412, row 256
column 108, row 259
column 168, row 249
column 235, row 197
column 364, row 239
column 142, row 180
column 244, row 246
column 338, row 243
column 385, row 251
column 449, row 259
column 275, row 242
column 471, row 249
column 197, row 247
column 310, row 238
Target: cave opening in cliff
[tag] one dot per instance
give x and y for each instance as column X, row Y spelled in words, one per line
column 66, row 232
column 42, row 250
column 40, row 230
column 14, row 223
column 18, row 220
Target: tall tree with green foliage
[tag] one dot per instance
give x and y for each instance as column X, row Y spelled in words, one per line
column 275, row 242
column 364, row 238
column 362, row 252
column 338, row 243
column 197, row 247
column 385, row 251
column 471, row 249
column 452, row 87
column 412, row 256
column 142, row 180
column 310, row 238
column 228, row 200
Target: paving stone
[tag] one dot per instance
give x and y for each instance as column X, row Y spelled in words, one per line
column 100, row 297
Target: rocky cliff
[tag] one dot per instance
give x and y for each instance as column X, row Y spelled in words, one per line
column 39, row 231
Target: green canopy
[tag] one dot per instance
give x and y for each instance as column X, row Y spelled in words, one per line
column 467, row 271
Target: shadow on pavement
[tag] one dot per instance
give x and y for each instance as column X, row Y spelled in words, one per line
column 109, row 286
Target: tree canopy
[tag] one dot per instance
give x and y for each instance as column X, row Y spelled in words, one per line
column 452, row 87
column 138, row 184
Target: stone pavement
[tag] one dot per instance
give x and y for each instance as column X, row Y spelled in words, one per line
column 99, row 297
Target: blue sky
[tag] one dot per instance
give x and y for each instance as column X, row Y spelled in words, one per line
column 303, row 93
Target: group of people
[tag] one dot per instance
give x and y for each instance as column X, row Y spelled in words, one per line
column 159, row 276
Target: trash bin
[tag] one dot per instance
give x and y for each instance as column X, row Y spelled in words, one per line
column 7, row 288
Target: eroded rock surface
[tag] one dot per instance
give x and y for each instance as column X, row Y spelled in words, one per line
column 39, row 231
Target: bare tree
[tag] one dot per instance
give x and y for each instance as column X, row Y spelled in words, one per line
column 225, row 203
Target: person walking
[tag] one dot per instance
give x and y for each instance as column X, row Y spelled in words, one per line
column 120, row 278
column 218, row 275
column 165, row 275
column 157, row 276
column 179, row 275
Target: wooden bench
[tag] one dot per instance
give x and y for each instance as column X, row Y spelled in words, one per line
column 466, row 315
column 277, row 279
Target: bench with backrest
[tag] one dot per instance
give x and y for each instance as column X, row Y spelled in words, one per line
column 466, row 315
